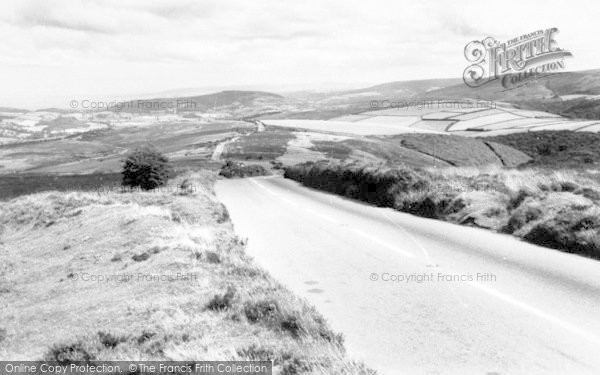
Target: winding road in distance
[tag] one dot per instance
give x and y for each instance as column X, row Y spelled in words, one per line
column 414, row 295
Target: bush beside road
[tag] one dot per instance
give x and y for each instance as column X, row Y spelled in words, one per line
column 560, row 210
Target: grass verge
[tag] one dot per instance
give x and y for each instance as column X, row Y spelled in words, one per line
column 560, row 210
column 156, row 275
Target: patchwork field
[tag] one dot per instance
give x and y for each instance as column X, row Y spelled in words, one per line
column 466, row 118
column 399, row 125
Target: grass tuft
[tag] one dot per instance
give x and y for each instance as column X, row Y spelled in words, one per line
column 109, row 340
column 221, row 302
column 68, row 353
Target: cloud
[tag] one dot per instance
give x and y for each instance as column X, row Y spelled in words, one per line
column 120, row 46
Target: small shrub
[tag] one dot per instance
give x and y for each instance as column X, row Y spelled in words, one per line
column 425, row 207
column 523, row 215
column 330, row 336
column 276, row 164
column 67, row 353
column 292, row 325
column 589, row 193
column 223, row 215
column 515, row 201
column 567, row 186
column 232, row 169
column 109, row 340
column 3, row 334
column 544, row 149
column 263, row 310
column 145, row 336
column 212, row 257
column 571, row 234
column 256, row 352
column 546, row 234
column 186, row 187
column 141, row 257
column 222, row 302
column 296, row 366
column 146, row 168
column 155, row 249
column 586, row 223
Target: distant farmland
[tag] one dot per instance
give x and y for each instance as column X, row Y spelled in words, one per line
column 455, row 118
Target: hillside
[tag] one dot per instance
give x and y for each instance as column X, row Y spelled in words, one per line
column 400, row 89
column 416, row 150
column 101, row 150
column 171, row 282
column 556, row 149
column 549, row 86
column 202, row 102
column 579, row 107
column 570, row 94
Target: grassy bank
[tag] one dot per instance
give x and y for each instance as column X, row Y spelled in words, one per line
column 559, row 210
column 148, row 276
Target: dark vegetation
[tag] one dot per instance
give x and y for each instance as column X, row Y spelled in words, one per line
column 233, row 169
column 554, row 210
column 556, row 148
column 222, row 302
column 15, row 185
column 147, row 168
column 379, row 186
column 12, row 186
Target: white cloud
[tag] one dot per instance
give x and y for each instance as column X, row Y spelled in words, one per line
column 67, row 48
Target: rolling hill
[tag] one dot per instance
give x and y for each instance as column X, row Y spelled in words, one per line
column 201, row 102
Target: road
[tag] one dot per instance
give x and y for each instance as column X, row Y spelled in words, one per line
column 414, row 295
column 221, row 147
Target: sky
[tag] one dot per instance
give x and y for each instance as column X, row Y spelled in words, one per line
column 59, row 50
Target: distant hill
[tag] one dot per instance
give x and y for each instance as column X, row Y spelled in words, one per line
column 201, row 102
column 553, row 86
column 390, row 90
column 569, row 94
column 407, row 88
column 13, row 110
column 55, row 110
column 548, row 87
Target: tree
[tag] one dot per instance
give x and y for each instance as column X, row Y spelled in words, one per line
column 146, row 167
